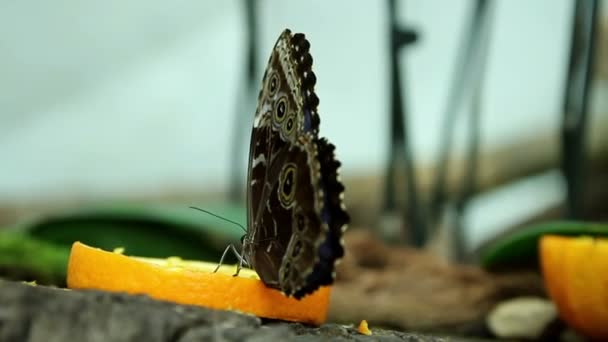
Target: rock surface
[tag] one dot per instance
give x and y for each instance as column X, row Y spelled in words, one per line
column 38, row 313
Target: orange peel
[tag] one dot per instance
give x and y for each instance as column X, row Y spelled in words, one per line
column 191, row 283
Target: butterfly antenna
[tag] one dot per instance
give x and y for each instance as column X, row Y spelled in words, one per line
column 221, row 218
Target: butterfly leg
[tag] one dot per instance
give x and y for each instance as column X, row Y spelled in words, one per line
column 222, row 258
column 238, row 268
column 241, row 259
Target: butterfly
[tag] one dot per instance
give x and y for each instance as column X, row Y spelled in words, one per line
column 295, row 210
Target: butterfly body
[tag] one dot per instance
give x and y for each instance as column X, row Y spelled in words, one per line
column 295, row 212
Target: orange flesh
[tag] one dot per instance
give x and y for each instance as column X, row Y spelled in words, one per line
column 364, row 328
column 576, row 276
column 192, row 283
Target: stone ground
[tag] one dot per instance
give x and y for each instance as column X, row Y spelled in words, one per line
column 40, row 313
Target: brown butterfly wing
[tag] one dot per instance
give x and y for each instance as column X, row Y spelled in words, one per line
column 295, row 211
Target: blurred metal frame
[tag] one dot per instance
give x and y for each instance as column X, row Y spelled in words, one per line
column 576, row 99
column 243, row 116
column 467, row 81
column 467, row 85
column 400, row 157
column 468, row 76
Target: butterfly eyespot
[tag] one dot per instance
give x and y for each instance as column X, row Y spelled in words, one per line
column 280, row 109
column 287, row 185
column 289, row 125
column 273, row 85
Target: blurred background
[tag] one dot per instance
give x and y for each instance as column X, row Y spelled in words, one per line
column 458, row 123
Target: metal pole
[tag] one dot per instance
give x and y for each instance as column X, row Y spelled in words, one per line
column 400, row 155
column 244, row 112
column 580, row 74
column 467, row 71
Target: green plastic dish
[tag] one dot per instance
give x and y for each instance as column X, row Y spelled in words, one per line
column 521, row 247
column 144, row 230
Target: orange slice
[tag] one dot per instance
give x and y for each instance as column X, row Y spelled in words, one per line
column 575, row 270
column 190, row 282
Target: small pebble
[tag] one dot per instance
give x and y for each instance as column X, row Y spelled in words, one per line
column 523, row 317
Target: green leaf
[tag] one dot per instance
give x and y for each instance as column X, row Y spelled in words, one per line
column 25, row 258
